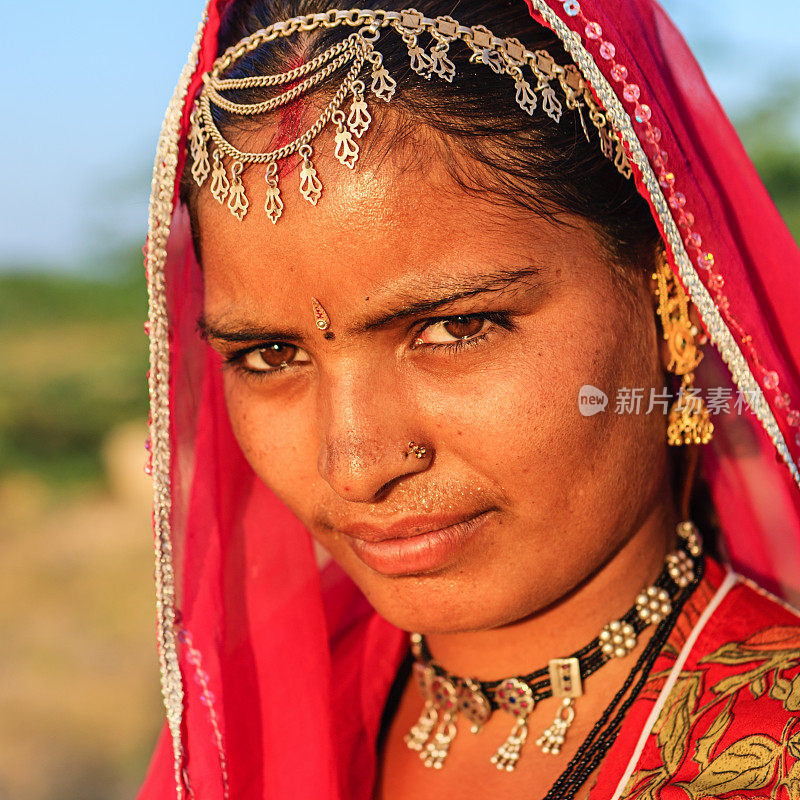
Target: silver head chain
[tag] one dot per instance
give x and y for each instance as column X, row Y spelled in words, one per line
column 504, row 56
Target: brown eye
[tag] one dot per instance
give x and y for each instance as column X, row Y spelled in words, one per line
column 277, row 354
column 464, row 327
column 452, row 330
column 273, row 357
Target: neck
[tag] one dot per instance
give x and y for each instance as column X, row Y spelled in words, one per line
column 569, row 623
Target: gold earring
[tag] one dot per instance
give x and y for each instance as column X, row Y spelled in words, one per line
column 689, row 421
column 416, row 449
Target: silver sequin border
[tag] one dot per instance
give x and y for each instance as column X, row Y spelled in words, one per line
column 159, row 220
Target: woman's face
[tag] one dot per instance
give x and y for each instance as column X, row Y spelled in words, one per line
column 457, row 324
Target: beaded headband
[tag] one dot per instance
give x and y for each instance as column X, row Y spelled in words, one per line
column 504, row 56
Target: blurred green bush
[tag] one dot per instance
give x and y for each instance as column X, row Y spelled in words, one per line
column 74, row 364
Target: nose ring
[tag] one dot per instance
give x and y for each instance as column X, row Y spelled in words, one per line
column 416, row 449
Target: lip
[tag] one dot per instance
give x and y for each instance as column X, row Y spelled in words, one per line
column 414, row 544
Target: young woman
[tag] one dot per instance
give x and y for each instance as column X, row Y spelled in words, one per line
column 474, row 368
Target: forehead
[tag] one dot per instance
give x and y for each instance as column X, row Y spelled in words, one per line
column 375, row 227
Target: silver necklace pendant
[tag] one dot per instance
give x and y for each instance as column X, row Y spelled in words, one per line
column 552, row 740
column 444, row 695
column 419, row 734
column 516, row 698
column 473, row 704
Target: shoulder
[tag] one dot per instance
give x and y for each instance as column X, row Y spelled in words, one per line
column 746, row 608
column 726, row 700
column 731, row 620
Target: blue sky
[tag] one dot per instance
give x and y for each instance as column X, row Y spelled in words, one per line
column 87, row 84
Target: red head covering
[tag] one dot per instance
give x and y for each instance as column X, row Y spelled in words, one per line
column 275, row 672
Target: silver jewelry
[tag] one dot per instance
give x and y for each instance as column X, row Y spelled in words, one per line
column 447, row 695
column 531, row 72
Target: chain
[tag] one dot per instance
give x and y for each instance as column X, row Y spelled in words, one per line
column 503, row 56
column 287, row 150
column 285, row 77
column 282, row 99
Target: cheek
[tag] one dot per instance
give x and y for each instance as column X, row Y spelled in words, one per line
column 244, row 418
column 275, row 437
column 518, row 420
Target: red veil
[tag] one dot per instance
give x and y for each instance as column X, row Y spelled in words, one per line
column 275, row 672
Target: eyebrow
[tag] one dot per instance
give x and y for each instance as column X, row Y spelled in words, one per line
column 412, row 304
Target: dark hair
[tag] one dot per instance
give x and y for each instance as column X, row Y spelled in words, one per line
column 527, row 160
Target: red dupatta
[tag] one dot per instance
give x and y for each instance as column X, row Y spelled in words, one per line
column 275, row 672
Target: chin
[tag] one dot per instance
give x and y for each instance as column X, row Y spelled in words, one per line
column 465, row 577
column 450, row 601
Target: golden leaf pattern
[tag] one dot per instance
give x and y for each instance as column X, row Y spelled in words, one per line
column 792, row 702
column 792, row 782
column 705, row 750
column 673, row 724
column 748, row 763
column 758, row 686
column 707, row 743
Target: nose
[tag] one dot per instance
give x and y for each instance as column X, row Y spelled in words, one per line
column 367, row 440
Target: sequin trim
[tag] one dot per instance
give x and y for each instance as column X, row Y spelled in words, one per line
column 711, row 315
column 194, row 657
column 159, row 220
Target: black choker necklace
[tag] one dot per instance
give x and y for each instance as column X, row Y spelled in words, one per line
column 447, row 695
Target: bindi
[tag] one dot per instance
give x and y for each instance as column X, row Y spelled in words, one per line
column 321, row 318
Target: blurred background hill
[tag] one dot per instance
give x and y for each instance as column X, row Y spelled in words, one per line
column 79, row 696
